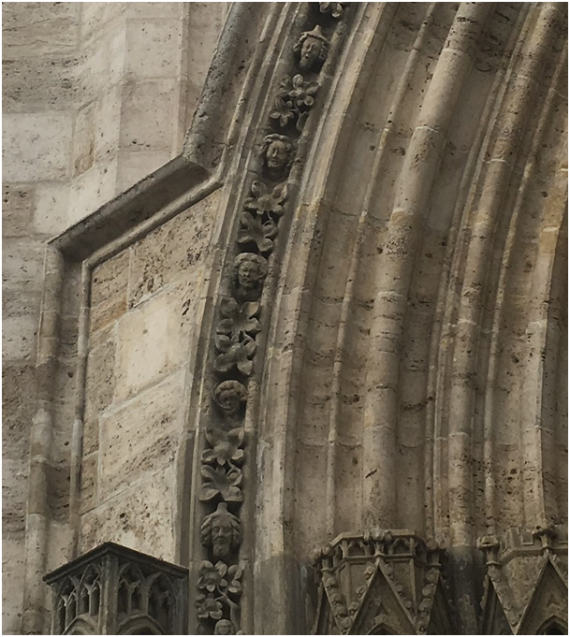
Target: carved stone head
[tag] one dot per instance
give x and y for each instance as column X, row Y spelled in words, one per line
column 277, row 153
column 224, row 627
column 230, row 396
column 221, row 531
column 250, row 270
column 311, row 49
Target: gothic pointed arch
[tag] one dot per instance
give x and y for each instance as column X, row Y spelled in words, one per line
column 526, row 587
column 382, row 584
column 82, row 626
column 548, row 603
column 377, row 347
column 381, row 604
column 411, row 312
column 141, row 626
column 554, row 625
column 494, row 620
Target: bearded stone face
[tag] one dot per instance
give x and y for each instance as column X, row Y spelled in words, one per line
column 249, row 274
column 221, row 538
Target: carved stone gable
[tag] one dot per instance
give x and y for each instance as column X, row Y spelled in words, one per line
column 526, row 588
column 385, row 583
column 113, row 590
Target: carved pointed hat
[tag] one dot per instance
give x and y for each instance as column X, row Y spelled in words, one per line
column 315, row 33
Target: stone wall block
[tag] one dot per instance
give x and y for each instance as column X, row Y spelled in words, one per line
column 91, row 190
column 90, row 442
column 40, row 29
column 83, row 140
column 155, row 10
column 134, row 165
column 100, row 383
column 169, row 252
column 18, row 384
column 105, row 60
column 149, row 114
column 153, row 47
column 17, row 209
column 50, row 213
column 89, row 469
column 69, row 332
column 58, row 479
column 22, row 264
column 13, row 569
column 36, row 146
column 140, row 437
column 97, row 16
column 106, row 124
column 18, row 336
column 14, row 487
column 109, row 291
column 152, row 343
column 139, row 517
column 32, row 85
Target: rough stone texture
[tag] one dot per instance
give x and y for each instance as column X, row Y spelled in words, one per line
column 95, row 96
column 141, row 516
column 410, row 366
column 144, row 303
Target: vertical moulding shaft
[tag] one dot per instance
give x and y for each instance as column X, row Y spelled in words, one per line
column 35, row 619
column 395, row 270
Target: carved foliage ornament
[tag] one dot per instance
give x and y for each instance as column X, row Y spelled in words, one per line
column 334, row 8
column 238, row 326
column 295, row 98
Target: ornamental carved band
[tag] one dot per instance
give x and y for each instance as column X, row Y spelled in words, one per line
column 239, row 325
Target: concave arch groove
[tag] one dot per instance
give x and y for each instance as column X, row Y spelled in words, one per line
column 381, row 396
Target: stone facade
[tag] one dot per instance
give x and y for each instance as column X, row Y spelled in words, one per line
column 296, row 324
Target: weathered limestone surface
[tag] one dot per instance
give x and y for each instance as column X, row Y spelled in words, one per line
column 145, row 303
column 95, row 96
column 334, row 318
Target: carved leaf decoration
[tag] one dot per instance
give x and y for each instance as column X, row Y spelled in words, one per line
column 283, row 111
column 258, row 188
column 235, row 572
column 252, row 229
column 301, row 121
column 303, row 92
column 222, row 481
column 234, row 575
column 222, row 569
column 334, row 8
column 284, row 86
column 264, row 201
column 212, row 578
column 208, row 607
column 225, row 446
column 238, row 320
column 235, row 353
